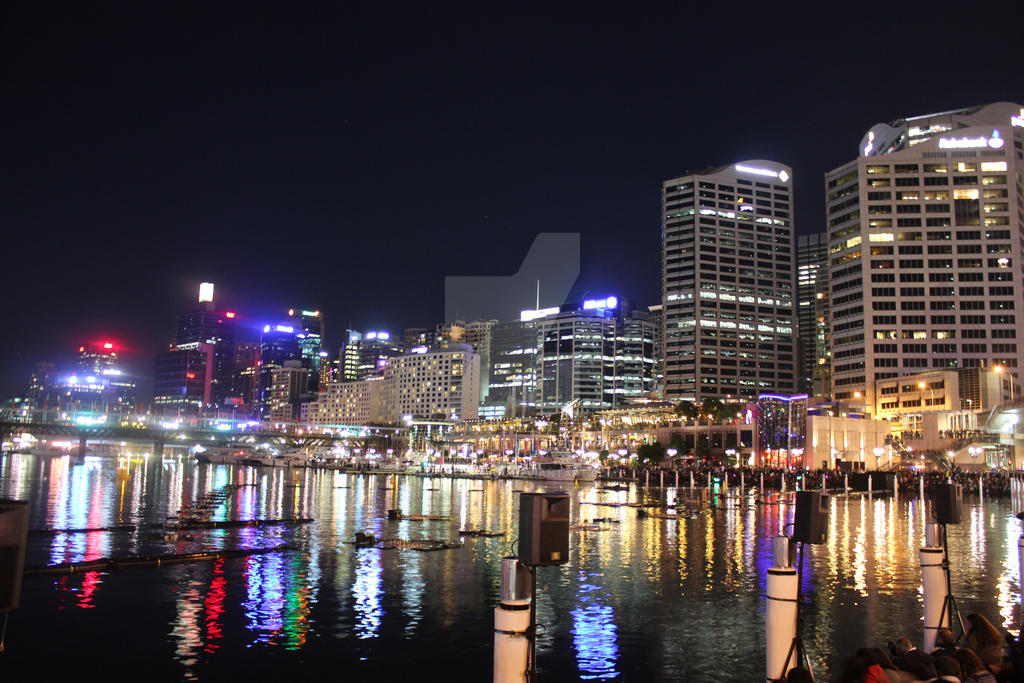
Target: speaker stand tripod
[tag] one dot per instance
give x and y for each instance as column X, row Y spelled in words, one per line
column 949, row 606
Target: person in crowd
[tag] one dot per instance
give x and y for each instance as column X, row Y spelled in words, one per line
column 948, row 669
column 909, row 658
column 984, row 639
column 874, row 673
column 894, row 674
column 945, row 643
column 972, row 668
column 799, row 675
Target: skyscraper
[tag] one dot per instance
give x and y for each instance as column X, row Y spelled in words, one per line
column 813, row 315
column 309, row 331
column 278, row 345
column 366, row 354
column 925, row 230
column 728, row 282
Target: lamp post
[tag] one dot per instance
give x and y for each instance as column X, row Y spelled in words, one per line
column 975, row 451
column 877, row 450
column 1001, row 369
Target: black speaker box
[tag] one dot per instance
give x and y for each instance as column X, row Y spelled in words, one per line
column 948, row 504
column 543, row 528
column 810, row 523
column 13, row 536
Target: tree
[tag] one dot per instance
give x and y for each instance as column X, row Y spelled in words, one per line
column 687, row 410
column 651, row 453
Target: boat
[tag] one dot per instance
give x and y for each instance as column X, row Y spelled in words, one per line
column 561, row 467
column 221, row 456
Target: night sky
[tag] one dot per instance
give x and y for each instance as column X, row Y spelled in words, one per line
column 348, row 162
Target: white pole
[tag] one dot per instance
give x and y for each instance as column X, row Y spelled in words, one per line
column 981, row 487
column 933, row 581
column 677, row 478
column 1020, row 565
column 761, row 487
column 691, row 479
column 823, row 478
column 921, row 486
column 870, row 485
column 782, row 480
column 741, row 482
column 780, row 622
column 662, row 479
column 511, row 641
column 846, row 483
column 647, row 477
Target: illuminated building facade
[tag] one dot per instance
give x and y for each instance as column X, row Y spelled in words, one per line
column 925, row 232
column 813, row 315
column 512, row 375
column 350, row 403
column 728, row 286
column 444, row 383
column 196, row 373
column 365, row 354
column 287, row 384
column 244, row 383
column 309, row 331
column 279, row 344
column 600, row 352
column 97, row 383
column 657, row 314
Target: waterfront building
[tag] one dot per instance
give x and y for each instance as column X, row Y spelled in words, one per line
column 728, row 287
column 813, row 315
column 925, row 231
column 351, row 403
column 246, row 374
column 416, row 337
column 443, row 383
column 366, row 354
column 781, row 425
column 599, row 351
column 41, row 393
column 512, row 375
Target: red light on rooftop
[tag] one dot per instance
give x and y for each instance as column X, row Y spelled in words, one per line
column 81, row 349
column 230, row 314
column 108, row 345
column 190, row 375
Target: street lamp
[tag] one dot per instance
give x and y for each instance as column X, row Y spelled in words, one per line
column 877, row 450
column 975, row 451
column 1000, row 369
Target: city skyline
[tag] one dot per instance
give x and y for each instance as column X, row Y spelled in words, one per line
column 291, row 175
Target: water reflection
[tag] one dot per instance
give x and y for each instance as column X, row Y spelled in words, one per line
column 593, row 631
column 636, row 586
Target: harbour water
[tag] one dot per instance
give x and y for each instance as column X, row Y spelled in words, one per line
column 640, row 599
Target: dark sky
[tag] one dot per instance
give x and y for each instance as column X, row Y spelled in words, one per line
column 348, row 162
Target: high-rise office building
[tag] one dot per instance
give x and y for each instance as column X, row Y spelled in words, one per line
column 728, row 283
column 278, row 345
column 657, row 313
column 813, row 300
column 287, row 384
column 441, row 384
column 98, row 382
column 600, row 352
column 309, row 330
column 197, row 371
column 925, row 231
column 512, row 376
column 244, row 383
column 367, row 353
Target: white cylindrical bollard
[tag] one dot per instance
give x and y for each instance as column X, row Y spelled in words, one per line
column 933, row 581
column 647, row 477
column 870, row 486
column 920, row 485
column 662, row 480
column 741, row 482
column 782, row 482
column 761, row 487
column 780, row 622
column 1020, row 565
column 691, row 479
column 677, row 478
column 511, row 641
column 846, row 483
column 824, row 478
column 981, row 487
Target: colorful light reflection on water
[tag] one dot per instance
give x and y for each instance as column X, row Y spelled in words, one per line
column 637, row 587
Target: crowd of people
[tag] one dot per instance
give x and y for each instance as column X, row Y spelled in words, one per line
column 982, row 656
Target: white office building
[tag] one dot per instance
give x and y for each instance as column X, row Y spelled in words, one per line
column 925, row 256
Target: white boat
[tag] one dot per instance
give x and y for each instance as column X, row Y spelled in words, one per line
column 561, row 467
column 222, row 456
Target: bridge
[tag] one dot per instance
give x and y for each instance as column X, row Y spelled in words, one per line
column 166, row 431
